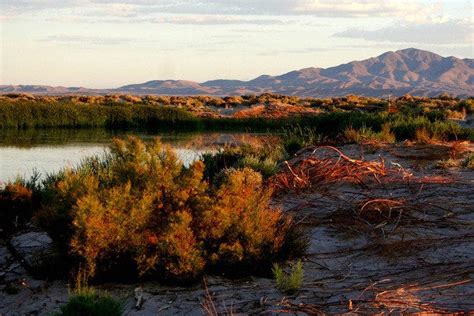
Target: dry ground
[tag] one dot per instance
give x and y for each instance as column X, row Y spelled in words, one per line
column 389, row 232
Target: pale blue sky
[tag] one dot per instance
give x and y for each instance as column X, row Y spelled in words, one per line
column 108, row 43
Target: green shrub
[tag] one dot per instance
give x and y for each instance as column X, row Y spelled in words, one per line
column 267, row 167
column 467, row 105
column 468, row 133
column 227, row 157
column 407, row 127
column 87, row 301
column 262, row 158
column 289, row 282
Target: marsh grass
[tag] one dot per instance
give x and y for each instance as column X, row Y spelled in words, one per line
column 177, row 113
column 423, row 136
column 297, row 137
column 23, row 114
column 447, row 163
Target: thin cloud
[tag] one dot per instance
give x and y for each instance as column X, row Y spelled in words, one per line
column 17, row 7
column 106, row 41
column 306, row 50
column 327, row 8
column 363, row 9
column 198, row 20
column 449, row 32
column 79, row 39
column 405, row 9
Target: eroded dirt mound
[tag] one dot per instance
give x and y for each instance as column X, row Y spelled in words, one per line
column 274, row 110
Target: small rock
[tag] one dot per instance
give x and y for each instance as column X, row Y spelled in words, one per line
column 10, row 269
column 139, row 297
column 36, row 250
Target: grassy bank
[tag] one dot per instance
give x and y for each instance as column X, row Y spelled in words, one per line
column 68, row 115
column 406, row 118
column 156, row 118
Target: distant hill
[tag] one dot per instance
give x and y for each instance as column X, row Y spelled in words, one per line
column 411, row 71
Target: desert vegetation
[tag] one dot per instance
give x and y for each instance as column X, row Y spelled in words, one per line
column 289, row 282
column 356, row 190
column 87, row 301
column 42, row 113
column 371, row 118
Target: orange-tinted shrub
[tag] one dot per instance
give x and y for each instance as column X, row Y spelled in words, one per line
column 241, row 225
column 141, row 204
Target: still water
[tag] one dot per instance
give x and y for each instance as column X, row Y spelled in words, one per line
column 48, row 150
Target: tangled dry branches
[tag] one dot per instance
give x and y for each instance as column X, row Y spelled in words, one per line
column 327, row 164
column 406, row 298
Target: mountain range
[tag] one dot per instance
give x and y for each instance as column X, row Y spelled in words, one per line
column 408, row 71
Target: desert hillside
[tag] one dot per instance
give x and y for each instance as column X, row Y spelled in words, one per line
column 408, row 71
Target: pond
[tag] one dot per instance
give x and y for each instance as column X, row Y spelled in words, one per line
column 22, row 152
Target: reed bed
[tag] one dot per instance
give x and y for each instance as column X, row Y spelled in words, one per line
column 119, row 113
column 70, row 115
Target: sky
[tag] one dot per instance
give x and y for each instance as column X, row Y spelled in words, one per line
column 110, row 43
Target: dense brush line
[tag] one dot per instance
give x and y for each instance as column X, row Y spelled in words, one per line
column 69, row 115
column 42, row 114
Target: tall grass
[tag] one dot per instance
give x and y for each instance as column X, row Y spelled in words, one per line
column 330, row 124
column 406, row 127
column 376, row 126
column 368, row 135
column 59, row 114
column 296, row 137
column 66, row 114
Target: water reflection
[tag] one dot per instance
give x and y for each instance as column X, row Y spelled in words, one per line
column 49, row 150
